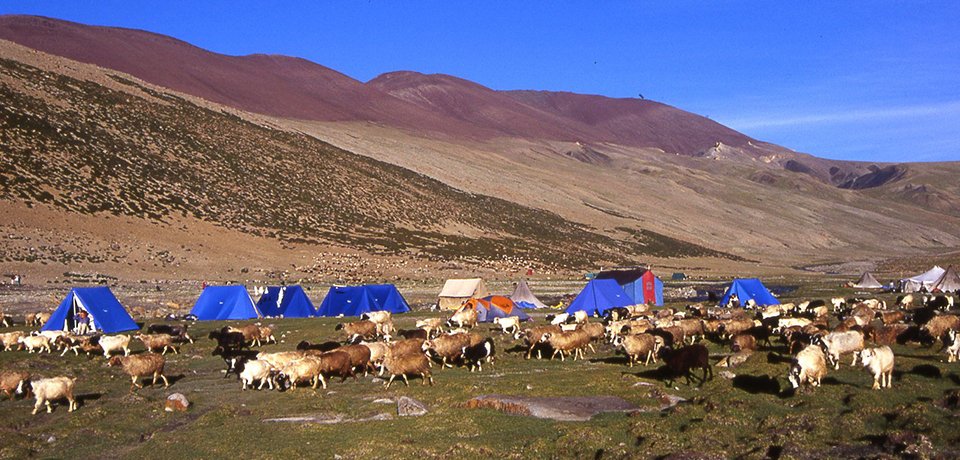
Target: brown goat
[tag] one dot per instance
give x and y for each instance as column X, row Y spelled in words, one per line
column 145, row 365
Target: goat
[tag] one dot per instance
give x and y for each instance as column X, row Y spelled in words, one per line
column 509, row 324
column 366, row 330
column 251, row 333
column 838, row 343
column 256, row 370
column 145, row 365
column 809, row 367
column 474, row 355
column 112, row 343
column 404, row 364
column 464, row 317
column 35, row 342
column 430, row 325
column 879, row 361
column 639, row 346
column 161, row 342
column 359, row 356
column 335, row 363
column 11, row 340
column 177, row 331
column 681, row 362
column 12, row 382
column 572, row 342
column 52, row 389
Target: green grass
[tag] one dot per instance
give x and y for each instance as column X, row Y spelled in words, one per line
column 747, row 416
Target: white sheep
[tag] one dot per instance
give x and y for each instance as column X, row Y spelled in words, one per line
column 112, row 343
column 879, row 361
column 46, row 390
column 953, row 351
column 509, row 324
column 257, row 370
column 809, row 367
column 560, row 319
column 840, row 343
column 35, row 342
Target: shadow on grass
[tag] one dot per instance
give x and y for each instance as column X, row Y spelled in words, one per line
column 618, row 360
column 774, row 358
column 923, row 370
column 82, row 399
column 757, row 384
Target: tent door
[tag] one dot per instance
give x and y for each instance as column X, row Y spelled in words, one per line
column 77, row 306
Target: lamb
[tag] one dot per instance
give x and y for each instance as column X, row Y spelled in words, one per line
column 402, row 365
column 11, row 340
column 12, row 382
column 145, row 365
column 839, row 343
column 52, row 389
column 112, row 343
column 157, row 342
column 532, row 338
column 251, row 333
column 257, row 370
column 474, row 355
column 307, row 368
column 567, row 342
column 464, row 317
column 639, row 346
column 509, row 325
column 809, row 367
column 366, row 330
column 879, row 361
column 449, row 347
column 177, row 331
column 939, row 325
column 35, row 342
column 335, row 363
column 682, row 361
column 431, row 325
column 743, row 342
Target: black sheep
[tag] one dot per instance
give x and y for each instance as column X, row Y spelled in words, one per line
column 681, row 362
column 323, row 347
column 474, row 356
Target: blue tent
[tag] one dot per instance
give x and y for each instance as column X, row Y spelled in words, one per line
column 357, row 300
column 107, row 313
column 225, row 302
column 599, row 295
column 749, row 288
column 640, row 284
column 286, row 301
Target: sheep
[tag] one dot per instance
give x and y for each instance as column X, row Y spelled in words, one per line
column 905, row 301
column 52, row 389
column 595, row 331
column 431, row 325
column 307, row 368
column 616, row 314
column 112, row 343
column 953, row 350
column 30, row 319
column 879, row 361
column 35, row 342
column 558, row 319
column 809, row 367
column 366, row 330
column 820, row 312
column 335, row 363
column 407, row 347
column 266, row 334
column 508, row 325
column 532, row 338
column 52, row 336
column 889, row 334
column 692, row 329
column 449, row 347
column 377, row 351
column 256, row 370
column 474, row 355
column 12, row 382
column 571, row 342
column 838, row 303
column 413, row 334
column 227, row 341
column 280, row 359
column 862, row 314
column 839, row 343
column 234, row 359
column 69, row 343
column 383, row 319
column 579, row 317
column 11, row 340
column 177, row 331
column 145, row 365
column 890, row 317
column 939, row 325
column 402, row 365
column 639, row 345
column 325, row 346
column 672, row 335
column 157, row 341
column 682, row 361
column 939, row 302
column 743, row 342
column 734, row 326
column 784, row 323
column 251, row 333
column 5, row 320
column 359, row 356
column 464, row 317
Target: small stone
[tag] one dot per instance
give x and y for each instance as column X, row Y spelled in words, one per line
column 383, row 401
column 727, row 375
column 409, row 407
column 51, row 439
column 643, row 384
column 529, row 387
column 176, row 402
column 378, row 380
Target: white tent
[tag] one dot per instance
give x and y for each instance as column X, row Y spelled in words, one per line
column 523, row 298
column 867, row 281
column 456, row 291
column 923, row 280
column 948, row 282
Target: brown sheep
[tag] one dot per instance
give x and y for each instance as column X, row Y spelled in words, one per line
column 266, row 334
column 732, row 327
column 449, row 347
column 402, row 365
column 407, row 347
column 366, row 330
column 359, row 356
column 743, row 342
column 569, row 342
column 938, row 326
column 693, row 329
column 251, row 333
column 306, row 368
column 595, row 331
column 891, row 317
column 532, row 338
column 464, row 317
column 335, row 363
column 889, row 334
column 639, row 346
column 157, row 342
column 11, row 340
column 145, row 365
column 13, row 382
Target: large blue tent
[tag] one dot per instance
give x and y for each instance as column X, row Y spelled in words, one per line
column 107, row 313
column 286, row 301
column 357, row 300
column 598, row 296
column 225, row 302
column 749, row 288
column 639, row 283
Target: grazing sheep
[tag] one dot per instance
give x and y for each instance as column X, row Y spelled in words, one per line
column 682, row 361
column 266, row 334
column 11, row 340
column 743, row 342
column 251, row 333
column 177, row 331
column 508, row 325
column 840, row 343
column 307, row 368
column 407, row 347
column 409, row 364
column 377, row 351
column 145, row 365
column 693, row 329
column 809, row 367
column 464, row 317
column 532, row 338
column 335, row 363
column 637, row 346
column 449, row 347
column 325, row 346
column 672, row 335
column 431, row 325
column 939, row 325
column 891, row 317
column 256, row 370
column 112, row 343
column 227, row 341
column 879, row 361
column 359, row 356
column 366, row 330
column 157, row 342
column 421, row 334
column 280, row 359
column 474, row 355
column 567, row 342
column 52, row 389
column 12, row 382
column 35, row 342
column 889, row 334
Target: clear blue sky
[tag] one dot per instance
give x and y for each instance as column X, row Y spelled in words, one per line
column 875, row 81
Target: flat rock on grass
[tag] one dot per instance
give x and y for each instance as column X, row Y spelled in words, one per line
column 409, row 407
column 564, row 408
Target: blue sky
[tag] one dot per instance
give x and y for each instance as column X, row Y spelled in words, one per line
column 877, row 81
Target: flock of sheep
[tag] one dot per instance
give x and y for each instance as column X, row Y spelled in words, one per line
column 374, row 345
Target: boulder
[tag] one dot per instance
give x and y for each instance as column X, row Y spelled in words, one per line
column 409, row 407
column 176, row 402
